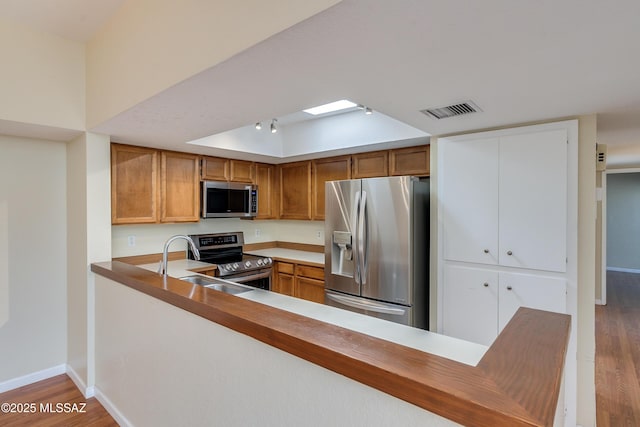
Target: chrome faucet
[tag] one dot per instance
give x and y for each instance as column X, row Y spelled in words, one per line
column 162, row 269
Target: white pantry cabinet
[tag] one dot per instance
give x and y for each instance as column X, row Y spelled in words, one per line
column 480, row 301
column 504, row 206
column 504, row 200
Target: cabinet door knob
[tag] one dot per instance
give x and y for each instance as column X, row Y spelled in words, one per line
column 509, row 253
column 486, row 285
column 509, row 288
column 486, row 251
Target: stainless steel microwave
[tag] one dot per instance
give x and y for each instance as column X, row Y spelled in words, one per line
column 228, row 200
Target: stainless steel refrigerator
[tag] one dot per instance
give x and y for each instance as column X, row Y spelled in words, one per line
column 377, row 248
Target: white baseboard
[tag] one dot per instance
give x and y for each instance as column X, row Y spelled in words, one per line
column 599, row 302
column 33, row 377
column 87, row 392
column 623, row 270
column 111, row 409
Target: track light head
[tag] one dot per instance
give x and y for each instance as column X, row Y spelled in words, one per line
column 259, row 125
column 368, row 111
column 274, row 129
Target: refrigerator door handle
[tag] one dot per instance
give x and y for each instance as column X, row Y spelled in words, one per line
column 369, row 305
column 362, row 239
column 356, row 252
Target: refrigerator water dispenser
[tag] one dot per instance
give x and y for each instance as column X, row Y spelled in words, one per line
column 342, row 254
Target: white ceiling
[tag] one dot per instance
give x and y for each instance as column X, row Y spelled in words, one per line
column 519, row 61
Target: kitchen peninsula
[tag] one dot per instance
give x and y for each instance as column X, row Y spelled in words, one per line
column 205, row 356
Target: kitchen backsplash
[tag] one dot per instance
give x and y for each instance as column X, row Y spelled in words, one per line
column 128, row 240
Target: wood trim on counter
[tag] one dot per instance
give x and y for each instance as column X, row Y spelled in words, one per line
column 284, row 245
column 516, row 383
column 150, row 258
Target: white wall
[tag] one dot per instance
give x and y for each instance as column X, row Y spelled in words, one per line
column 89, row 237
column 623, row 221
column 42, row 78
column 150, row 238
column 170, row 367
column 33, row 247
column 150, row 45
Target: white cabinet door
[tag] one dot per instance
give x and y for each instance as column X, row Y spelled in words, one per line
column 533, row 201
column 469, row 200
column 470, row 304
column 530, row 290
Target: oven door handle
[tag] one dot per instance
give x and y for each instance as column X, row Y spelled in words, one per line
column 242, row 279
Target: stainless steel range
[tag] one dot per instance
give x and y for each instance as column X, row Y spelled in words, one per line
column 225, row 250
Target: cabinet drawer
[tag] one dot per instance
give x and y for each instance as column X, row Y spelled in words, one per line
column 310, row 272
column 285, row 267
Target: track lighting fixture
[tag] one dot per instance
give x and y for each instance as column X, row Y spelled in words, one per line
column 273, row 126
column 368, row 111
column 259, row 125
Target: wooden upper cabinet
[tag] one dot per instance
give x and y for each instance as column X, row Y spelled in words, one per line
column 179, row 187
column 295, row 190
column 409, row 161
column 330, row 169
column 370, row 165
column 134, row 180
column 240, row 171
column 265, row 179
column 215, row 169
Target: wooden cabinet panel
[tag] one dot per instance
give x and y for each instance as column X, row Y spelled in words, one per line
column 330, row 169
column 310, row 271
column 284, row 284
column 179, row 187
column 265, row 179
column 295, row 190
column 215, row 169
column 370, row 165
column 283, row 278
column 240, row 171
column 134, row 180
column 285, row 267
column 409, row 161
column 310, row 289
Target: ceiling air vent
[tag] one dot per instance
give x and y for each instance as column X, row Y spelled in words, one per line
column 452, row 110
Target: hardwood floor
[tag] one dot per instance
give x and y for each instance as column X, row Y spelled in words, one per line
column 36, row 405
column 618, row 352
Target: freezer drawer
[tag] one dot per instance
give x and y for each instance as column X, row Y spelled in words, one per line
column 382, row 310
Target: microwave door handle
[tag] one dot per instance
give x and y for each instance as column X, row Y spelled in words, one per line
column 368, row 306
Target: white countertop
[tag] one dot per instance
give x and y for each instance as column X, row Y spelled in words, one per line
column 440, row 345
column 291, row 254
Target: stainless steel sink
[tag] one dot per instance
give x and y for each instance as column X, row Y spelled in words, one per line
column 217, row 284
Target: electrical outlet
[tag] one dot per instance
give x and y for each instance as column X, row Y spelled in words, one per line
column 258, row 232
column 319, row 234
column 131, row 241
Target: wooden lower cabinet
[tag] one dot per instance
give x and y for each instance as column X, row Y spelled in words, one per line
column 283, row 278
column 299, row 280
